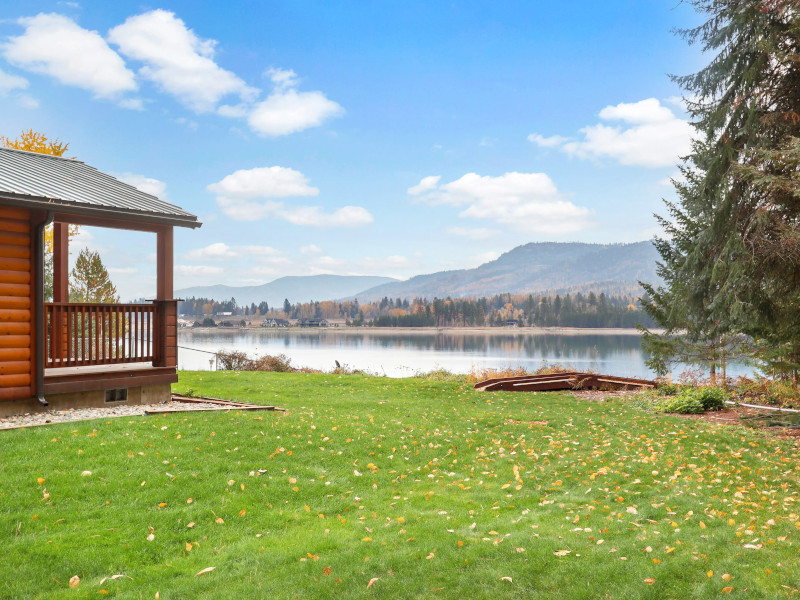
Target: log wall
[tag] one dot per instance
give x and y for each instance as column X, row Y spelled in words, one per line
column 16, row 305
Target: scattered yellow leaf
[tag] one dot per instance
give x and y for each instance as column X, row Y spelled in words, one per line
column 727, row 590
column 206, row 570
column 219, row 520
column 242, row 513
column 726, row 577
column 649, row 581
column 74, row 581
column 508, row 579
column 372, row 582
column 40, row 480
column 188, row 546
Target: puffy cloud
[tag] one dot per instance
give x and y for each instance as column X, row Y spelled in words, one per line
column 177, row 60
column 264, row 182
column 649, row 135
column 311, row 249
column 346, row 216
column 547, row 142
column 246, row 195
column 426, row 185
column 148, row 185
column 527, row 202
column 286, row 110
column 10, row 82
column 198, row 270
column 55, row 45
column 222, row 251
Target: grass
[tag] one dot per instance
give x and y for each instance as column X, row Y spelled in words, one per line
column 432, row 489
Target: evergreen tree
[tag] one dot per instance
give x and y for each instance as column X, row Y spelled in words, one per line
column 90, row 280
column 724, row 263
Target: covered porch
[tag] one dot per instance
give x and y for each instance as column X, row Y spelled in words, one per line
column 90, row 346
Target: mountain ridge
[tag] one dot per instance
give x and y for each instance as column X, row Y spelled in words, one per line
column 531, row 268
column 295, row 288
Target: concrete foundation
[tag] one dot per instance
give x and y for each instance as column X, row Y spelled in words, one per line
column 146, row 394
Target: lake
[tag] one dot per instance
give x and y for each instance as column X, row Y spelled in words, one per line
column 402, row 353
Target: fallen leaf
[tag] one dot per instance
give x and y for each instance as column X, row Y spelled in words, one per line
column 430, row 556
column 372, row 582
column 326, row 571
column 190, row 524
column 206, row 570
column 151, row 537
column 74, row 581
column 40, row 480
column 727, row 590
column 188, row 546
column 86, row 474
column 562, row 552
column 219, row 520
column 649, row 581
column 508, row 579
column 726, row 577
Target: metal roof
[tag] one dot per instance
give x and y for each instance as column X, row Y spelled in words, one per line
column 65, row 183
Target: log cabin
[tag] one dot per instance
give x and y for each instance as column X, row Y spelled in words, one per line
column 65, row 354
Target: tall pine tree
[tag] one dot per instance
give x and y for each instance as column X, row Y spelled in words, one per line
column 731, row 259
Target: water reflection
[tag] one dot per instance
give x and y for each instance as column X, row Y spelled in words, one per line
column 403, row 353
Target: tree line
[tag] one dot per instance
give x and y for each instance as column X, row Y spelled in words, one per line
column 540, row 310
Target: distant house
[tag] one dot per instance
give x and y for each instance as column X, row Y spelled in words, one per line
column 511, row 323
column 312, row 323
column 275, row 323
column 226, row 313
column 72, row 354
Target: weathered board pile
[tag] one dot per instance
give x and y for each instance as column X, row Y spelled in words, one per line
column 207, row 403
column 562, row 381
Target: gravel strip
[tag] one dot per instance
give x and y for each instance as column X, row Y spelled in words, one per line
column 105, row 412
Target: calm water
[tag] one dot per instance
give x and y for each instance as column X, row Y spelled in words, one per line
column 403, row 353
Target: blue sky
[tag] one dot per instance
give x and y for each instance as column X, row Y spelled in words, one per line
column 386, row 138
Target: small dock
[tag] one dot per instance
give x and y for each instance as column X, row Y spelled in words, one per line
column 563, row 381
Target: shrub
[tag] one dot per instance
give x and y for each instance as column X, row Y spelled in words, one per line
column 280, row 363
column 711, row 398
column 669, row 389
column 685, row 404
column 234, row 361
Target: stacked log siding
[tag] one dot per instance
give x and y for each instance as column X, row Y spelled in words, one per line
column 16, row 309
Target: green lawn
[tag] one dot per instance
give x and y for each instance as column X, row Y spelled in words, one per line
column 434, row 490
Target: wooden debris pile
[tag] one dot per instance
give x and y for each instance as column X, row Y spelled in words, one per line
column 216, row 404
column 563, row 381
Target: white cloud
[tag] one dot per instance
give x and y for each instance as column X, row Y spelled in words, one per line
column 346, row 216
column 222, row 251
column 527, row 202
column 198, row 270
column 288, row 111
column 311, row 249
column 10, row 82
column 472, row 233
column 26, row 101
column 55, row 45
column 148, row 185
column 285, row 110
column 547, row 142
column 177, row 60
column 246, row 195
column 264, row 182
column 427, row 184
column 650, row 135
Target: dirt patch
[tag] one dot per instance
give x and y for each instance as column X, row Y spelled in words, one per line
column 728, row 416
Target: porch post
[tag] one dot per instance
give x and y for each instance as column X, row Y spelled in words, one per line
column 58, row 327
column 164, row 260
column 60, row 262
column 166, row 341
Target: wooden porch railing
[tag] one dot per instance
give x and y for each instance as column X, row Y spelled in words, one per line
column 81, row 334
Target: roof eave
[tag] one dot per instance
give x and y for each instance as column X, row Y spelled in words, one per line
column 132, row 216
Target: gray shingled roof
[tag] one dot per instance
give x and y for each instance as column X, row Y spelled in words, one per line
column 66, row 184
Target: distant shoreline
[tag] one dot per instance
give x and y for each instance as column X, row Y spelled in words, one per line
column 435, row 330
